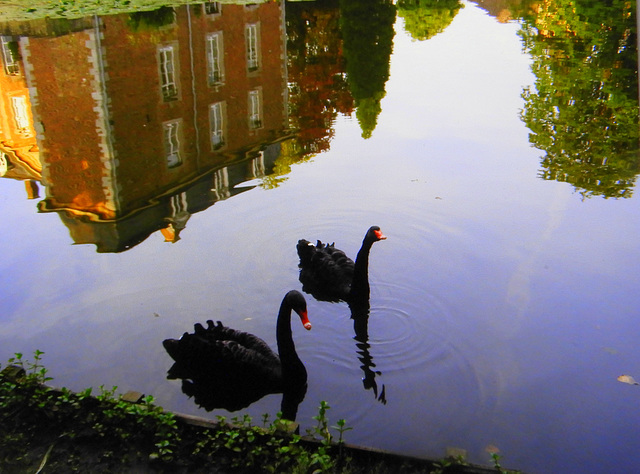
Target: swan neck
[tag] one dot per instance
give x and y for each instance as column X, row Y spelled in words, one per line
column 286, row 348
column 362, row 259
column 360, row 283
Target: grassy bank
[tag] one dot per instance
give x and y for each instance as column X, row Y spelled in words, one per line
column 12, row 10
column 43, row 429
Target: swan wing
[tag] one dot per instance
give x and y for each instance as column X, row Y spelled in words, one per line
column 219, row 351
column 223, row 374
column 325, row 271
column 246, row 342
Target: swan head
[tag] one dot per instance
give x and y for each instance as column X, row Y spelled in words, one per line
column 306, row 250
column 297, row 303
column 375, row 234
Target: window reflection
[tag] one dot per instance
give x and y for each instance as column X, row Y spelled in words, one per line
column 166, row 60
column 255, row 111
column 216, row 125
column 253, row 58
column 172, row 143
column 214, row 59
column 21, row 114
column 212, row 8
column 10, row 56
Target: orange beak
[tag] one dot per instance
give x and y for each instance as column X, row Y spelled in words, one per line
column 380, row 235
column 305, row 320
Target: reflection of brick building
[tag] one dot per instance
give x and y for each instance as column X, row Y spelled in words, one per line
column 129, row 115
column 19, row 157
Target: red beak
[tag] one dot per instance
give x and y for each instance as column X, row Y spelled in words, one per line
column 305, row 320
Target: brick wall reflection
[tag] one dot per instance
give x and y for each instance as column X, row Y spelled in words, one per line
column 140, row 122
column 19, row 153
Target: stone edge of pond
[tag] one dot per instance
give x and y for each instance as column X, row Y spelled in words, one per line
column 376, row 454
column 354, row 450
column 16, row 374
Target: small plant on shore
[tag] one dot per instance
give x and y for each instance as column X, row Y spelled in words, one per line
column 495, row 457
column 106, row 415
column 322, row 427
column 35, row 375
column 323, row 457
column 449, row 463
column 34, row 371
column 275, row 447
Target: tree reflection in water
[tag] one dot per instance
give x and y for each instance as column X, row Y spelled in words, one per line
column 583, row 112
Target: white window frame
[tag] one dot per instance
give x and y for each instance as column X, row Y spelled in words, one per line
column 172, row 144
column 168, row 73
column 252, row 38
column 255, row 109
column 212, row 8
column 11, row 66
column 220, row 186
column 21, row 114
column 4, row 164
column 215, row 63
column 216, row 125
column 257, row 166
column 179, row 204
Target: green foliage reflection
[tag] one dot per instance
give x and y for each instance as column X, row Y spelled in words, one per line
column 318, row 88
column 584, row 111
column 151, row 20
column 367, row 31
column 424, row 19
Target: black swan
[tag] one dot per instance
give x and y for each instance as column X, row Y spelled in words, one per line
column 225, row 368
column 328, row 274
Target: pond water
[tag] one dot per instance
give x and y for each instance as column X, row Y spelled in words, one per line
column 160, row 168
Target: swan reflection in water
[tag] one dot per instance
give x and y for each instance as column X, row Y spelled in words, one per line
column 221, row 367
column 359, row 306
column 327, row 274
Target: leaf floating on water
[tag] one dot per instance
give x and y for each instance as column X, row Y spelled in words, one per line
column 627, row 379
column 492, row 449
